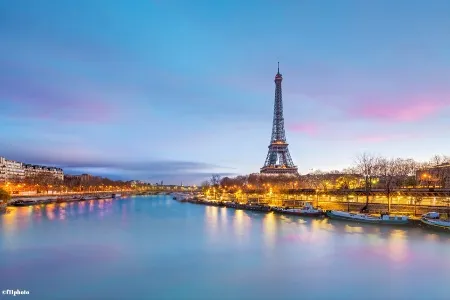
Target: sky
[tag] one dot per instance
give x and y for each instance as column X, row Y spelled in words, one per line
column 177, row 90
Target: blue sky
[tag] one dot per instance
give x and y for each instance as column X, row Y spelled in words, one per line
column 177, row 90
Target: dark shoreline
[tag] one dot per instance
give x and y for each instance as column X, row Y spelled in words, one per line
column 30, row 200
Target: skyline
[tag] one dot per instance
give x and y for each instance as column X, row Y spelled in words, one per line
column 169, row 90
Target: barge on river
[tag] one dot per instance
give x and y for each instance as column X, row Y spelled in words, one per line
column 365, row 218
column 432, row 220
column 306, row 210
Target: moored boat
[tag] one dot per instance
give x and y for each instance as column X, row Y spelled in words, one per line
column 60, row 199
column 23, row 203
column 431, row 215
column 46, row 201
column 365, row 218
column 230, row 204
column 306, row 210
column 257, row 207
column 436, row 223
column 116, row 195
column 180, row 197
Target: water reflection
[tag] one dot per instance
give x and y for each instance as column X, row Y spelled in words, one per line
column 9, row 219
column 374, row 240
column 354, row 229
column 255, row 249
column 212, row 221
column 270, row 229
column 321, row 224
column 37, row 213
column 50, row 211
column 432, row 237
column 91, row 205
column 241, row 224
column 18, row 218
column 398, row 246
column 80, row 207
column 309, row 231
column 223, row 217
column 61, row 210
column 101, row 206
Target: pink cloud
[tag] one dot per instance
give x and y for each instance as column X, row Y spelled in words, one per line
column 379, row 138
column 405, row 109
column 384, row 94
column 307, row 127
column 27, row 95
column 67, row 112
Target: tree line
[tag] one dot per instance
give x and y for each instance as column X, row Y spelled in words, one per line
column 368, row 172
column 46, row 182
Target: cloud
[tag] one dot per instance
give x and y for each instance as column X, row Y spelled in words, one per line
column 190, row 178
column 402, row 109
column 89, row 160
column 379, row 138
column 77, row 161
column 168, row 167
column 352, row 93
column 309, row 128
column 169, row 172
column 26, row 95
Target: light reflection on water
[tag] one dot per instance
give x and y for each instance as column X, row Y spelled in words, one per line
column 269, row 231
column 398, row 246
column 212, row 253
column 241, row 225
column 212, row 222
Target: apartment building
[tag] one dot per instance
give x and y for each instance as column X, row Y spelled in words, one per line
column 36, row 170
column 14, row 170
column 11, row 169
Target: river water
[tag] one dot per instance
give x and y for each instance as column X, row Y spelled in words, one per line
column 153, row 247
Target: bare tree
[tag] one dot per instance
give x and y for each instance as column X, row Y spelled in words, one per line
column 405, row 172
column 347, row 181
column 215, row 180
column 366, row 166
column 439, row 159
column 45, row 181
column 388, row 169
column 311, row 181
column 442, row 172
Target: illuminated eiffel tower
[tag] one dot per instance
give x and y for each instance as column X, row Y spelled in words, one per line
column 278, row 159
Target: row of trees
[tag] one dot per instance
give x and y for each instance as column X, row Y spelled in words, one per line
column 392, row 173
column 368, row 172
column 4, row 196
column 46, row 182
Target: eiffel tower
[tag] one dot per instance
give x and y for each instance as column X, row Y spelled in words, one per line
column 278, row 159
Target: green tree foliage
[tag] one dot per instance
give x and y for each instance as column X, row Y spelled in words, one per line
column 4, row 196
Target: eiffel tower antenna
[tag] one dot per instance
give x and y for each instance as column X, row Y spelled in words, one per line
column 278, row 160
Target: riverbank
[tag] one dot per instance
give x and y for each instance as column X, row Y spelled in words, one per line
column 376, row 205
column 37, row 197
column 72, row 197
column 266, row 208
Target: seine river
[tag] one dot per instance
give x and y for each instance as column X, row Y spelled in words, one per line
column 156, row 248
